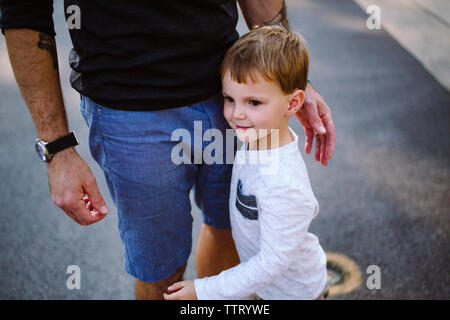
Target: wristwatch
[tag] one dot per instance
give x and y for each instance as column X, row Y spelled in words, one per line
column 46, row 150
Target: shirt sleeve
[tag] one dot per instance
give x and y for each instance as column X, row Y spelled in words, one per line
column 32, row 14
column 285, row 214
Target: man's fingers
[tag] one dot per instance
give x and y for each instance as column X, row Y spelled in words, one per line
column 88, row 203
column 314, row 119
column 80, row 210
column 97, row 216
column 323, row 159
column 317, row 153
column 327, row 120
column 318, row 131
column 72, row 215
column 321, row 143
column 84, row 215
column 309, row 139
column 331, row 136
column 95, row 198
column 70, row 204
column 303, row 118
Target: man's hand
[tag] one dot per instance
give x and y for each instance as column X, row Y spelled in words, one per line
column 315, row 116
column 184, row 290
column 34, row 61
column 74, row 189
column 264, row 13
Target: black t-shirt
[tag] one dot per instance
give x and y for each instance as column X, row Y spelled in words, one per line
column 139, row 54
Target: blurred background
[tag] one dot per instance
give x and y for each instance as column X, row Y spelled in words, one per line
column 384, row 197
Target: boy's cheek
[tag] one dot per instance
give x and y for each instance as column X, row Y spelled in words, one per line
column 227, row 113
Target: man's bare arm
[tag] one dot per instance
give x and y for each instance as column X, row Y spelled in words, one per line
column 315, row 115
column 35, row 64
column 34, row 61
column 264, row 13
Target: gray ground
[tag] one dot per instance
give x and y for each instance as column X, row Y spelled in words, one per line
column 384, row 196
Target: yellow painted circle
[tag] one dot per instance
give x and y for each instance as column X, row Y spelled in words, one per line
column 351, row 275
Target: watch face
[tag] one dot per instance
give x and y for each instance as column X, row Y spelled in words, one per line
column 42, row 151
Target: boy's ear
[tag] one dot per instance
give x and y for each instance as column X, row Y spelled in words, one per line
column 295, row 102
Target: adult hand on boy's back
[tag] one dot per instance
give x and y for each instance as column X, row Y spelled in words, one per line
column 315, row 116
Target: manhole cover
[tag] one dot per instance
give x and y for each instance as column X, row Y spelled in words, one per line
column 343, row 273
column 335, row 274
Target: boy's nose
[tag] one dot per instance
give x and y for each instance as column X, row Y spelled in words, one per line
column 238, row 112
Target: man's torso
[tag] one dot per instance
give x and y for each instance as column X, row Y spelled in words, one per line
column 147, row 55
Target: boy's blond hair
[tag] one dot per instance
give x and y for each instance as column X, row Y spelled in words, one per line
column 276, row 54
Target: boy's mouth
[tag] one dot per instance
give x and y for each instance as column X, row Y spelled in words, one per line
column 243, row 128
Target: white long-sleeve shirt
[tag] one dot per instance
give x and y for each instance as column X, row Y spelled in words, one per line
column 271, row 208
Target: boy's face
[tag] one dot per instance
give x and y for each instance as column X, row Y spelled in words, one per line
column 251, row 106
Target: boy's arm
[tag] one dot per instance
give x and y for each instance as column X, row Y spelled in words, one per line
column 315, row 115
column 285, row 214
column 33, row 57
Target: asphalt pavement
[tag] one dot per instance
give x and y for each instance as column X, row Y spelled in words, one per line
column 384, row 197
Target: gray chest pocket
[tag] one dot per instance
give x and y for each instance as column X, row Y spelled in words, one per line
column 246, row 204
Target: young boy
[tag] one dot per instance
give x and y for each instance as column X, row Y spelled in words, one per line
column 264, row 75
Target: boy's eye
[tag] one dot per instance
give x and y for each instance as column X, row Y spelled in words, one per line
column 228, row 99
column 254, row 103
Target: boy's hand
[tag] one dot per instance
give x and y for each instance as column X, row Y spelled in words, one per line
column 315, row 116
column 184, row 290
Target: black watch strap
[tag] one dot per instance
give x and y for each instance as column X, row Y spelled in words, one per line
column 62, row 143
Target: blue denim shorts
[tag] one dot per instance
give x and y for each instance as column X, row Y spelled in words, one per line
column 149, row 190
